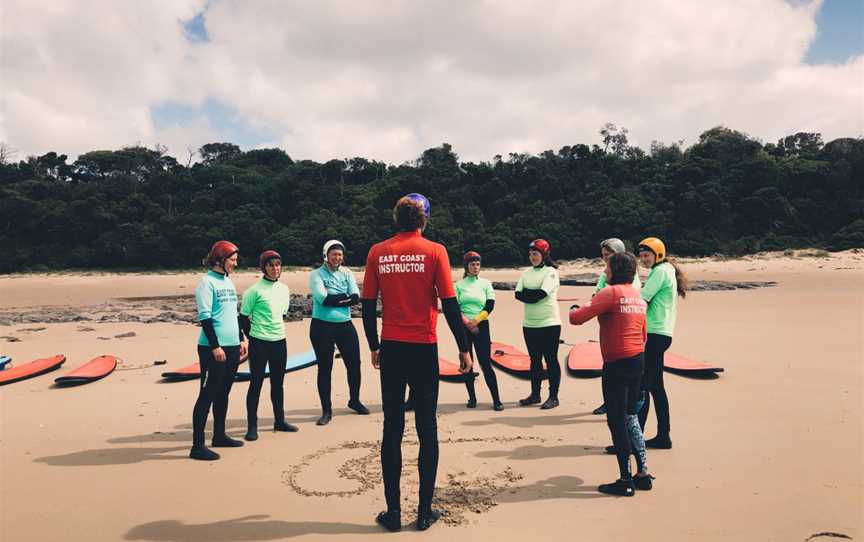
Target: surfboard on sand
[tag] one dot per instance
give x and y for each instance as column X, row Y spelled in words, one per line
column 31, row 369
column 512, row 360
column 449, row 372
column 294, row 362
column 585, row 360
column 96, row 368
column 190, row 372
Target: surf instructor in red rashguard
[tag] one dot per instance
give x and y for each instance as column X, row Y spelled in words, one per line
column 410, row 273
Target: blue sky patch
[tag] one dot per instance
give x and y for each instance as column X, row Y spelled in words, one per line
column 840, row 32
column 222, row 118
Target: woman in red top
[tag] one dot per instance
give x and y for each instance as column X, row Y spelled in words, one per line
column 620, row 311
column 410, row 273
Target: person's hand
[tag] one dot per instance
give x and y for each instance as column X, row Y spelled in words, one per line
column 472, row 326
column 219, row 354
column 465, row 362
column 244, row 348
column 376, row 358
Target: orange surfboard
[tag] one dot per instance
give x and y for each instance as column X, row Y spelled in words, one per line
column 93, row 370
column 685, row 366
column 512, row 360
column 190, row 372
column 449, row 371
column 584, row 360
column 31, row 369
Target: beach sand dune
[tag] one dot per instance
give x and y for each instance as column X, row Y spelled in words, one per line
column 772, row 450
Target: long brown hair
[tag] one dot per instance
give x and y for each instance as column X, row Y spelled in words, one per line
column 680, row 279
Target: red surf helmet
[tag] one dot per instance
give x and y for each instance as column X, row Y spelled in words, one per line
column 265, row 258
column 540, row 245
column 469, row 257
column 221, row 251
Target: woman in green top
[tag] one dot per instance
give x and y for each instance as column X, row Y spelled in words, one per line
column 261, row 311
column 476, row 301
column 607, row 248
column 665, row 282
column 541, row 327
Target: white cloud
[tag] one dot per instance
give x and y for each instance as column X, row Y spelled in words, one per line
column 388, row 79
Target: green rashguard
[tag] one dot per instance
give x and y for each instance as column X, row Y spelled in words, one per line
column 601, row 282
column 660, row 291
column 543, row 313
column 265, row 302
column 472, row 294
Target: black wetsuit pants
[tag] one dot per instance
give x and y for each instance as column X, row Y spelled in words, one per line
column 261, row 354
column 216, row 381
column 621, row 391
column 325, row 337
column 542, row 342
column 482, row 343
column 416, row 366
column 652, row 381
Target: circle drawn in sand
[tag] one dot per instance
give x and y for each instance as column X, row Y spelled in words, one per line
column 461, row 493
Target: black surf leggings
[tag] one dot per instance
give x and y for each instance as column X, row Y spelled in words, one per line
column 215, row 386
column 542, row 342
column 482, row 343
column 652, row 381
column 325, row 337
column 261, row 354
column 621, row 390
column 416, row 366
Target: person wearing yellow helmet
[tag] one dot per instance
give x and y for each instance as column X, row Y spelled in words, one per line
column 664, row 284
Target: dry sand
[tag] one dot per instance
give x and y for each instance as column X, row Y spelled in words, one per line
column 772, row 450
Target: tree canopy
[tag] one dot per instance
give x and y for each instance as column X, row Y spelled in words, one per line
column 139, row 208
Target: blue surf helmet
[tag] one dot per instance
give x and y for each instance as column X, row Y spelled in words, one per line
column 414, row 196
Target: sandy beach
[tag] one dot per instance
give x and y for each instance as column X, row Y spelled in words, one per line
column 771, row 450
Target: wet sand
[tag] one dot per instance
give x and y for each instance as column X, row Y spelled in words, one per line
column 772, row 450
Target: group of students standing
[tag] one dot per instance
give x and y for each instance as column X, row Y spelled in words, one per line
column 410, row 274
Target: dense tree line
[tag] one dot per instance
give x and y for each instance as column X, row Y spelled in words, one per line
column 140, row 208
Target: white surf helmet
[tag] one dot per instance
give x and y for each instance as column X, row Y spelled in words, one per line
column 331, row 244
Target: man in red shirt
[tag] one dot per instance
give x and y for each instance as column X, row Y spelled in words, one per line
column 410, row 273
column 620, row 311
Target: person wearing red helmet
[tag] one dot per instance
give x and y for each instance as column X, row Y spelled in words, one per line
column 476, row 301
column 264, row 304
column 221, row 344
column 410, row 273
column 538, row 290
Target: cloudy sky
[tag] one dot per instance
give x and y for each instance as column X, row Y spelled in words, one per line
column 387, row 79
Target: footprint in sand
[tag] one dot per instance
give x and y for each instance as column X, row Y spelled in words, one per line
column 460, row 494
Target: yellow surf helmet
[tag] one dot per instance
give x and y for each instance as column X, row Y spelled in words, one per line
column 654, row 245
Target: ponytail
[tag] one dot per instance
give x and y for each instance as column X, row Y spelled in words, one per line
column 680, row 279
column 550, row 262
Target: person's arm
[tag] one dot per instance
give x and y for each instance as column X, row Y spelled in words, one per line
column 550, row 282
column 369, row 301
column 655, row 282
column 245, row 324
column 204, row 304
column 604, row 301
column 353, row 291
column 527, row 295
column 487, row 310
column 317, row 288
column 450, row 308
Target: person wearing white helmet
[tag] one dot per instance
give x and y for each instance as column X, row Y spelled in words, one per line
column 334, row 290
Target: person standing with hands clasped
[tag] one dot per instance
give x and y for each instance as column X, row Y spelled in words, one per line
column 220, row 346
column 410, row 273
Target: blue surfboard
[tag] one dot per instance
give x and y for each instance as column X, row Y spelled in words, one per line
column 4, row 361
column 294, row 362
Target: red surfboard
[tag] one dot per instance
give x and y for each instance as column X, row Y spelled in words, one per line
column 685, row 366
column 91, row 371
column 585, row 361
column 31, row 369
column 511, row 360
column 190, row 372
column 449, row 371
